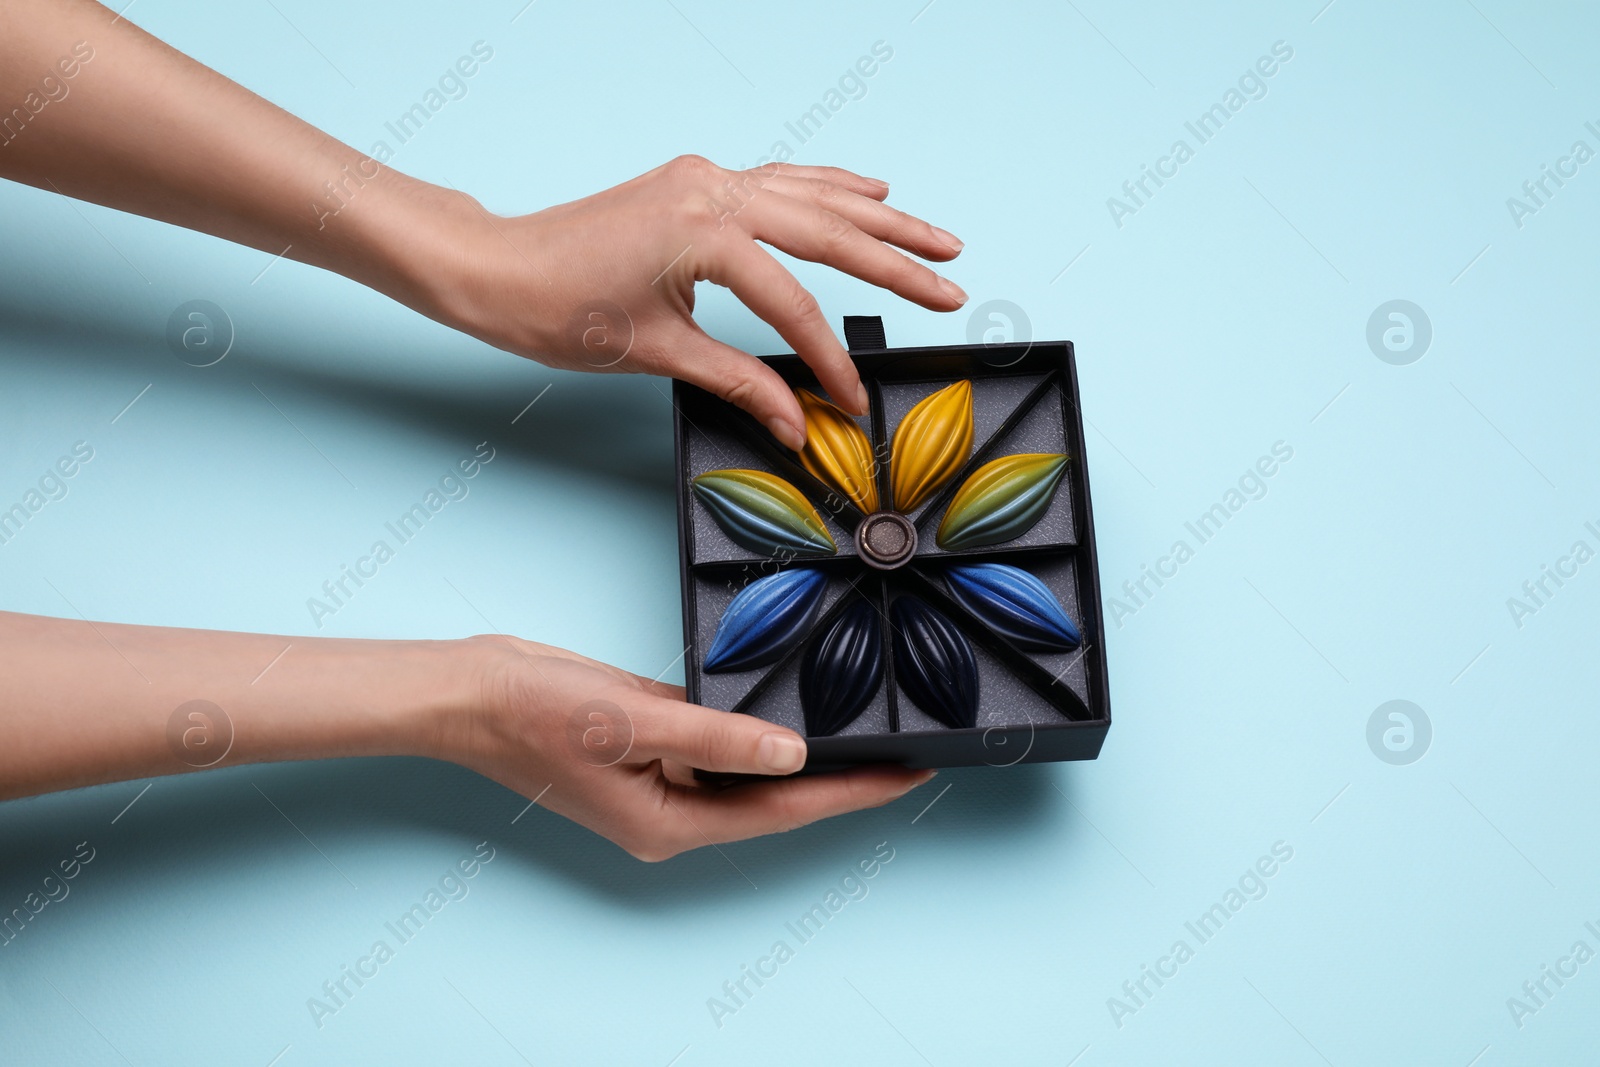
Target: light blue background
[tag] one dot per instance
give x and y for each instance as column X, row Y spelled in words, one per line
column 1227, row 314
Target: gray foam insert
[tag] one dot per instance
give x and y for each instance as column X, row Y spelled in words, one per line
column 1059, row 573
column 713, row 448
column 1003, row 700
column 993, row 401
column 1041, row 430
column 712, row 596
column 780, row 703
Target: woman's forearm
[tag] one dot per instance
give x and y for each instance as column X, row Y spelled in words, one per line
column 83, row 703
column 93, row 107
column 96, row 108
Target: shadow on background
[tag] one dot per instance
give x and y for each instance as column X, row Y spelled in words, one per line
column 612, row 427
column 348, row 806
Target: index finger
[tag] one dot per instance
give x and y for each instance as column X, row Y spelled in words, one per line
column 763, row 285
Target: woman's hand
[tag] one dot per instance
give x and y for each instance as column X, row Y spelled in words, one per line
column 613, row 751
column 83, row 703
column 149, row 130
column 602, row 283
column 607, row 282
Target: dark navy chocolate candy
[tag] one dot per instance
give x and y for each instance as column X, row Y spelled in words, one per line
column 933, row 663
column 842, row 670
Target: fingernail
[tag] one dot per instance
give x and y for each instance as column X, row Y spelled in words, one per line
column 781, row 753
column 863, row 405
column 949, row 238
column 878, row 181
column 786, row 432
column 921, row 780
column 953, row 291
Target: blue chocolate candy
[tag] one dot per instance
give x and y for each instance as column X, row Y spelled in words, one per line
column 766, row 619
column 1014, row 604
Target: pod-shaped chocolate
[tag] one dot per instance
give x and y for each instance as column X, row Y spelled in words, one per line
column 837, row 452
column 764, row 513
column 1001, row 500
column 1014, row 604
column 933, row 663
column 842, row 670
column 766, row 620
column 930, row 445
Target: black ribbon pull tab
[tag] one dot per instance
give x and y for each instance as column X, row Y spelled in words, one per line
column 864, row 333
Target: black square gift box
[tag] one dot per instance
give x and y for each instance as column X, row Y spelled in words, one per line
column 919, row 586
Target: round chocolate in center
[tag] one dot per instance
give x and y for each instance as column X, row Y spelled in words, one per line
column 886, row 540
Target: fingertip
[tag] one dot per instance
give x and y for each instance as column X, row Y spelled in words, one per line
column 954, row 243
column 905, row 779
column 781, row 752
column 842, row 380
column 742, row 380
column 953, row 292
column 782, row 415
column 790, row 435
column 786, row 421
column 937, row 251
column 875, row 785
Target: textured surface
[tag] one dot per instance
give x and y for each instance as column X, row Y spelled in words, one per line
column 764, row 513
column 1058, row 575
column 842, row 670
column 766, row 619
column 838, row 451
column 1040, row 430
column 712, row 447
column 930, row 444
column 1001, row 501
column 1227, row 313
column 933, row 662
column 715, row 592
column 993, row 399
column 1015, row 604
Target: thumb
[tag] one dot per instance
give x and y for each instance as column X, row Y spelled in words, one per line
column 721, row 741
column 742, row 380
